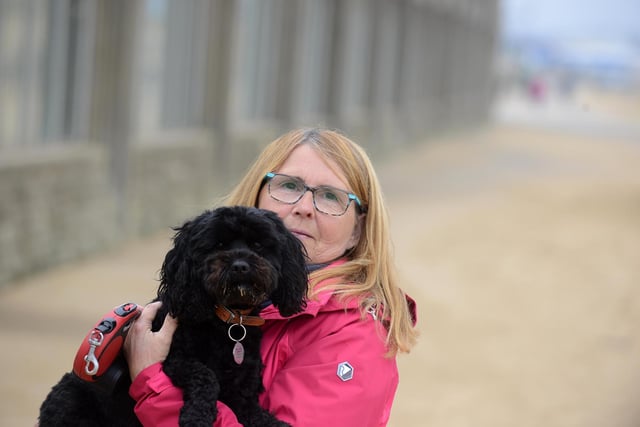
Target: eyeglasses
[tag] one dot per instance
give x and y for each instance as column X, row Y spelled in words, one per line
column 328, row 200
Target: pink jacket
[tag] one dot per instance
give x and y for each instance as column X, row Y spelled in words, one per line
column 324, row 367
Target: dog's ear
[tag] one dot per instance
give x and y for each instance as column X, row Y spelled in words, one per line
column 179, row 270
column 175, row 271
column 289, row 296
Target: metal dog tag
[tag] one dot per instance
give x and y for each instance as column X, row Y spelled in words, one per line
column 238, row 353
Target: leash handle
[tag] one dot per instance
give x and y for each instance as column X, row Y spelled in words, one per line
column 103, row 343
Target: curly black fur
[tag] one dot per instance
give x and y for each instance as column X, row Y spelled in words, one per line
column 233, row 256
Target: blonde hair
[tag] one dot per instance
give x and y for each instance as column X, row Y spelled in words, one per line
column 370, row 273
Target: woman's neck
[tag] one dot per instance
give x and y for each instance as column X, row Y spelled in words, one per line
column 313, row 267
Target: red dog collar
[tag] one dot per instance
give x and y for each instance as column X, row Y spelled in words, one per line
column 239, row 317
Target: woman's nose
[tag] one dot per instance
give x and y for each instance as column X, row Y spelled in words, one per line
column 305, row 206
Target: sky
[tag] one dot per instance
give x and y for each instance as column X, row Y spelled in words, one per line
column 607, row 20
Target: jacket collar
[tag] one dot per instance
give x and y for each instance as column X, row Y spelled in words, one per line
column 322, row 302
column 314, row 306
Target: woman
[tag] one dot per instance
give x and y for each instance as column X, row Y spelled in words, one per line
column 334, row 364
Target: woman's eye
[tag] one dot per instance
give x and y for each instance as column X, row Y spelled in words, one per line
column 331, row 196
column 290, row 185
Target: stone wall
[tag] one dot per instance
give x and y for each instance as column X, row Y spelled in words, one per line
column 59, row 204
column 56, row 205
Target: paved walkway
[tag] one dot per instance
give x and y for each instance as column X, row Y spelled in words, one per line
column 521, row 246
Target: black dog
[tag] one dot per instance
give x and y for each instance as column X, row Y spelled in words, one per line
column 224, row 264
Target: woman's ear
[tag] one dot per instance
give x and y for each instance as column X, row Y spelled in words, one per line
column 357, row 232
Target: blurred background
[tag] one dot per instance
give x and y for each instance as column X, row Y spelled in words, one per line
column 122, row 117
column 506, row 135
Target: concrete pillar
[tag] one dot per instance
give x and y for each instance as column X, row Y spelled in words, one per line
column 435, row 68
column 23, row 41
column 412, row 78
column 313, row 53
column 385, row 69
column 185, row 63
column 217, row 81
column 353, row 49
column 288, row 64
column 113, row 95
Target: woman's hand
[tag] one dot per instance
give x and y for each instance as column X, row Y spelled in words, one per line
column 142, row 347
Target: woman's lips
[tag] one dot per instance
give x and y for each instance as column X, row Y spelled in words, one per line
column 300, row 234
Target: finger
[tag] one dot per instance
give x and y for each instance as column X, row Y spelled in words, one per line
column 148, row 314
column 169, row 326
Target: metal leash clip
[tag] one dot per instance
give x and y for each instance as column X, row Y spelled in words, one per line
column 95, row 341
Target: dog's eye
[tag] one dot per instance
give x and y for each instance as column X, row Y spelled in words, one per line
column 256, row 246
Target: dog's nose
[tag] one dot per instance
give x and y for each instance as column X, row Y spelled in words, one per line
column 240, row 266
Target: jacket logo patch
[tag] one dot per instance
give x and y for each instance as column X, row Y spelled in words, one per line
column 345, row 371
